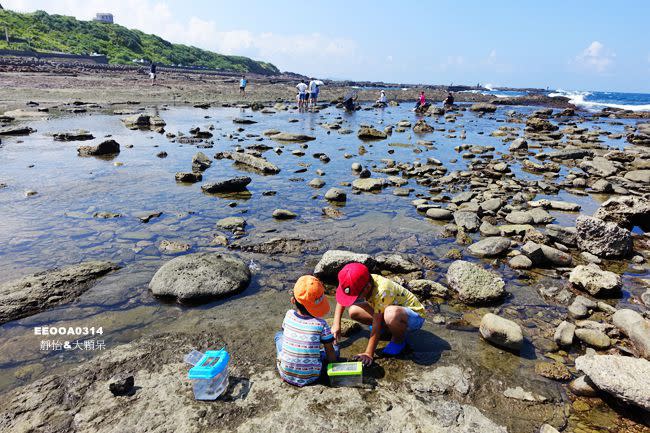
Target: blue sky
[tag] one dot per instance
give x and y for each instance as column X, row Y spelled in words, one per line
column 577, row 45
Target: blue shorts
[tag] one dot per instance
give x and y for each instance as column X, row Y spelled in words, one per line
column 303, row 96
column 314, row 95
column 415, row 321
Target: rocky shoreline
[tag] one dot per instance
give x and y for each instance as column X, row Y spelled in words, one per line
column 508, row 215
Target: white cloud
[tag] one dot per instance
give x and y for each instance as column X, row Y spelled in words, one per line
column 452, row 62
column 294, row 52
column 492, row 57
column 596, row 57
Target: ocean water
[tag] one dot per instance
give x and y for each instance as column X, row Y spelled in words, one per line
column 596, row 101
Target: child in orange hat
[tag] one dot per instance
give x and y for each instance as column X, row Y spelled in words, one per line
column 298, row 345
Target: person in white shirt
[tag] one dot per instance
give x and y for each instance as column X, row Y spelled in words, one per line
column 302, row 94
column 313, row 92
column 382, row 98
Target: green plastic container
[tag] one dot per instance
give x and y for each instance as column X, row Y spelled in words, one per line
column 345, row 374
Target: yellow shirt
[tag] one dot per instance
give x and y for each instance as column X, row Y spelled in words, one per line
column 386, row 292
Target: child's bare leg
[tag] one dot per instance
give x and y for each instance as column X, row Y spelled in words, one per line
column 396, row 319
column 362, row 313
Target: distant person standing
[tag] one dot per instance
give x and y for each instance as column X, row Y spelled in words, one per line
column 302, row 94
column 152, row 73
column 242, row 85
column 313, row 92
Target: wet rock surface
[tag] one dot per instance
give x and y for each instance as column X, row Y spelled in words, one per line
column 38, row 292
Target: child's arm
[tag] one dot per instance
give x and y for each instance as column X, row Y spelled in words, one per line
column 367, row 357
column 330, row 353
column 336, row 325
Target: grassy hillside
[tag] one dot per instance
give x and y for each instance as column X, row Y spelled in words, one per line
column 43, row 32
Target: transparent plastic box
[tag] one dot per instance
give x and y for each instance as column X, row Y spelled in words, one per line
column 348, row 374
column 209, row 375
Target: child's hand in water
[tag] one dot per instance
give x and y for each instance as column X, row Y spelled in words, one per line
column 365, row 358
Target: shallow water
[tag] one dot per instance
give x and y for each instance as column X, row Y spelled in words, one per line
column 56, row 227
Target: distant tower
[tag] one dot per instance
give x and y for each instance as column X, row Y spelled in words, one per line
column 104, row 18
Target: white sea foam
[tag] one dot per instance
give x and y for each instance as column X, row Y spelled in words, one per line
column 579, row 98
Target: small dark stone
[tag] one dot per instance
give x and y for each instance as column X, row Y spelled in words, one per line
column 121, row 384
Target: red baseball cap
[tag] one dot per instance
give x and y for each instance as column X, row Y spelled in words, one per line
column 352, row 279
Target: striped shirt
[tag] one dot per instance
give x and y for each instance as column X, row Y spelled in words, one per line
column 300, row 363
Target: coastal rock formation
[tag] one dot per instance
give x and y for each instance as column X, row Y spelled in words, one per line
column 78, row 135
column 38, row 292
column 595, row 281
column 369, row 133
column 626, row 211
column 502, row 332
column 335, row 194
column 255, row 162
column 490, row 247
column 636, row 328
column 290, row 137
column 368, row 184
column 601, row 238
column 234, row 184
column 201, row 275
column 483, row 107
column 333, row 260
column 474, row 284
column 108, row 147
column 200, row 162
column 188, row 177
column 624, row 377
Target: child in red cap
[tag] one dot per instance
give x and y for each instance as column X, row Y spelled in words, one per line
column 376, row 301
column 298, row 345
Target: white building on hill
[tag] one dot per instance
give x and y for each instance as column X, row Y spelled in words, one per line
column 104, row 18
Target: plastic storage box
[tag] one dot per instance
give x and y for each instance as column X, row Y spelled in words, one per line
column 210, row 375
column 345, row 374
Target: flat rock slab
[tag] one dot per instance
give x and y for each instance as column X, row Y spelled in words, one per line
column 201, row 276
column 624, row 377
column 108, row 147
column 234, row 184
column 295, row 138
column 38, row 292
column 255, row 162
column 490, row 247
column 333, row 260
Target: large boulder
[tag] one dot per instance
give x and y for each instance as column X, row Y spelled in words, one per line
column 638, row 176
column 474, row 284
column 502, row 332
column 594, row 280
column 602, row 238
column 636, row 328
column 490, row 247
column 624, row 377
column 333, row 260
column 38, row 292
column 201, row 276
column 234, row 184
column 369, row 133
column 108, row 147
column 626, row 211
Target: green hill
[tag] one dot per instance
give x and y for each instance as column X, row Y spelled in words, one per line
column 40, row 31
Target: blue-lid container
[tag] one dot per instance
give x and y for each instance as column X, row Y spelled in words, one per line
column 213, row 363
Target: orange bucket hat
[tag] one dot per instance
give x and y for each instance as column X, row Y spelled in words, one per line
column 310, row 292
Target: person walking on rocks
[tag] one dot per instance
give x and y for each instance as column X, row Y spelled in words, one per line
column 152, row 72
column 302, row 94
column 242, row 85
column 376, row 301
